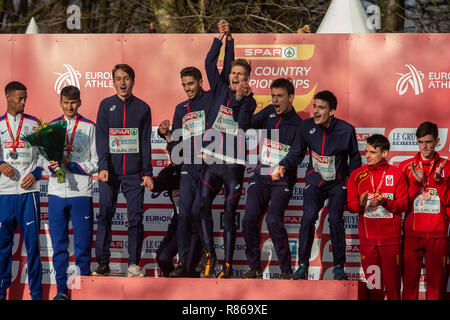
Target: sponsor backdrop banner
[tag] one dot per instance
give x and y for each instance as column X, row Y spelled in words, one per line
column 385, row 83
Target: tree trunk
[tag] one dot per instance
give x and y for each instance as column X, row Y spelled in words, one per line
column 392, row 15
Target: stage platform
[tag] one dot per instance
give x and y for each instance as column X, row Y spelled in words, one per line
column 122, row 288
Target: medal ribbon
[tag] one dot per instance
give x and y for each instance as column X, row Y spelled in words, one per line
column 426, row 176
column 379, row 185
column 19, row 129
column 69, row 143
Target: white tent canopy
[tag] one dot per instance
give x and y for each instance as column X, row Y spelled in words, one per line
column 344, row 16
column 32, row 27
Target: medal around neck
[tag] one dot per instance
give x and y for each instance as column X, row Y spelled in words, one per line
column 50, row 141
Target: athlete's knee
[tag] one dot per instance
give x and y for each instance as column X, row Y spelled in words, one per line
column 204, row 207
column 335, row 219
column 273, row 222
column 309, row 217
column 228, row 221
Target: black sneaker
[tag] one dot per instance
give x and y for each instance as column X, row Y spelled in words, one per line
column 61, row 296
column 226, row 273
column 102, row 270
column 339, row 273
column 285, row 275
column 301, row 272
column 180, row 271
column 253, row 274
column 209, row 265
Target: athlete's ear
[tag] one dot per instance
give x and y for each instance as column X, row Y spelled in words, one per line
column 291, row 98
column 200, row 82
column 331, row 112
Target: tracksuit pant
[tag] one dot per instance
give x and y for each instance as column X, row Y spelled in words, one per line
column 21, row 210
column 434, row 250
column 188, row 219
column 382, row 269
column 80, row 211
column 133, row 192
column 274, row 198
column 313, row 200
column 169, row 249
column 213, row 178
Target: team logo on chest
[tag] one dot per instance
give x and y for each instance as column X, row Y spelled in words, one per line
column 389, row 180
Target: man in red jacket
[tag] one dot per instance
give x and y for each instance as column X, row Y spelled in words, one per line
column 379, row 193
column 426, row 222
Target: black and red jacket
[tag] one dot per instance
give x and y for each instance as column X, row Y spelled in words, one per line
column 131, row 113
column 338, row 142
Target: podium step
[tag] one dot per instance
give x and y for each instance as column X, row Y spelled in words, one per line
column 123, row 288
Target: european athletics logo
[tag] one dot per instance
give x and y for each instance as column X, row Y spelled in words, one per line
column 413, row 78
column 68, row 78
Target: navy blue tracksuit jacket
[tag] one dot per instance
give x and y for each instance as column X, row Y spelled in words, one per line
column 131, row 113
column 334, row 155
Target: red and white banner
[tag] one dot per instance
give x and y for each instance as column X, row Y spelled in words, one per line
column 385, row 83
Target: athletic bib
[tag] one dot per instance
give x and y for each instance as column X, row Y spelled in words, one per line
column 380, row 212
column 324, row 166
column 273, row 152
column 193, row 124
column 124, row 140
column 427, row 202
column 24, row 153
column 224, row 121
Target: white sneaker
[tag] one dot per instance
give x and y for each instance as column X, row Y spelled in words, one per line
column 134, row 271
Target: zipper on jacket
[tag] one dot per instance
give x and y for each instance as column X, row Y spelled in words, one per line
column 323, row 141
column 124, row 117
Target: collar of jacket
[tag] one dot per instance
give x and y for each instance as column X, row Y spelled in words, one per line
column 127, row 100
column 198, row 97
column 418, row 158
column 379, row 166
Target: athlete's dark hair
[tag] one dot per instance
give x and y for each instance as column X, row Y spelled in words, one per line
column 191, row 72
column 125, row 68
column 426, row 128
column 327, row 96
column 283, row 83
column 378, row 140
column 13, row 86
column 243, row 63
column 71, row 92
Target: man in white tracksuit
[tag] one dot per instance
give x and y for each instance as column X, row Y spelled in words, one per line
column 20, row 169
column 73, row 198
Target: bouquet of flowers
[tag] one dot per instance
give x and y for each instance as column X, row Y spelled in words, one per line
column 50, row 141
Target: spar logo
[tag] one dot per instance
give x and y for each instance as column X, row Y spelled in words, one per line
column 412, row 79
column 69, row 78
column 280, row 51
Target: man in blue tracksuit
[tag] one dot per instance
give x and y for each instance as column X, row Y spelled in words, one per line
column 123, row 139
column 334, row 155
column 188, row 126
column 72, row 200
column 21, row 169
column 224, row 147
column 281, row 123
